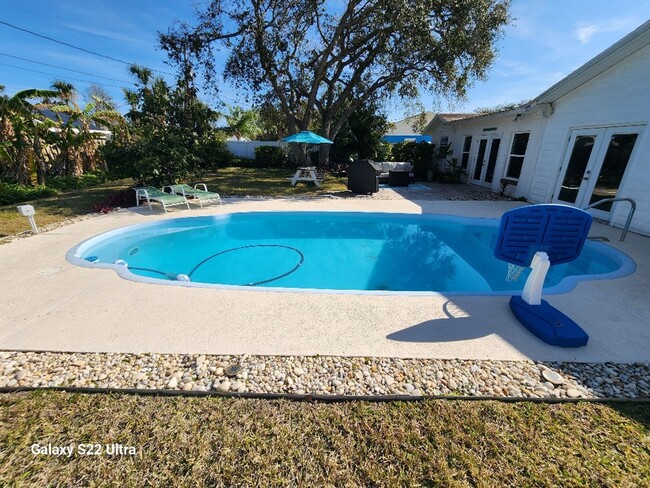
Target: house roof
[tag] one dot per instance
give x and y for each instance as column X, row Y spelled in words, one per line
column 405, row 126
column 452, row 117
column 617, row 52
column 446, row 118
column 63, row 117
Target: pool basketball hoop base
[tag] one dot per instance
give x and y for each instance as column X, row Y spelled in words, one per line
column 539, row 236
column 548, row 323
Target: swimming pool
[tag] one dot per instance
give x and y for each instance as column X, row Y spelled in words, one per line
column 330, row 251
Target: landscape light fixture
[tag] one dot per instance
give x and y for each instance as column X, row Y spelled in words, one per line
column 28, row 211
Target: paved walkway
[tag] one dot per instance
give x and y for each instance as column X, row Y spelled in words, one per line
column 436, row 191
column 48, row 304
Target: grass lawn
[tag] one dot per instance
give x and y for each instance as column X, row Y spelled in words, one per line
column 55, row 209
column 227, row 181
column 189, row 441
column 268, row 182
column 183, row 441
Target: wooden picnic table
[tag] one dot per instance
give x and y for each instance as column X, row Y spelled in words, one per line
column 305, row 173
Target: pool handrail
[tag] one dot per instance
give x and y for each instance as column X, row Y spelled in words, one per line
column 629, row 215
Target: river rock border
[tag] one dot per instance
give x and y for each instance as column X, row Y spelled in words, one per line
column 325, row 375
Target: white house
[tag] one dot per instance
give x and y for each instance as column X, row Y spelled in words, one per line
column 582, row 140
column 440, row 126
column 405, row 130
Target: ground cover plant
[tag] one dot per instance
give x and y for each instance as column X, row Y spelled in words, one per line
column 183, row 441
column 58, row 207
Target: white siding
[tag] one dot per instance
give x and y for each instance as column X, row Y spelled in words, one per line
column 619, row 96
column 506, row 127
column 445, row 131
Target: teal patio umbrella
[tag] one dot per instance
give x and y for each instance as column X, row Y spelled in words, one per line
column 306, row 137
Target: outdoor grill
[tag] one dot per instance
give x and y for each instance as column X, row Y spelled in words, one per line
column 362, row 177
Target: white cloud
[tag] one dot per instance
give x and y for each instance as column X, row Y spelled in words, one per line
column 509, row 67
column 585, row 32
column 112, row 34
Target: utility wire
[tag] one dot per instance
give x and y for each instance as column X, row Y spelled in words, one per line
column 57, row 76
column 68, row 69
column 76, row 47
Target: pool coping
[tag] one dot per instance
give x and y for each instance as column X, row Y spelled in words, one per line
column 84, row 310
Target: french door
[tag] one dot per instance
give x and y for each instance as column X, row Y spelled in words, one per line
column 486, row 160
column 594, row 166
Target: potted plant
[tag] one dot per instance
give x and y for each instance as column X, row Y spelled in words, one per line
column 440, row 157
column 453, row 172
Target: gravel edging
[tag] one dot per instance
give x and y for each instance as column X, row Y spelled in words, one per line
column 325, row 375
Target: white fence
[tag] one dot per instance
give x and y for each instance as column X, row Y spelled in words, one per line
column 246, row 149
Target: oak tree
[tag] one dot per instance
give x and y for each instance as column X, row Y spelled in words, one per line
column 323, row 60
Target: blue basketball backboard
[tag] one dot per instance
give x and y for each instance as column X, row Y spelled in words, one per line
column 558, row 230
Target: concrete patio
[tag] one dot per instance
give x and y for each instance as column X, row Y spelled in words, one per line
column 50, row 304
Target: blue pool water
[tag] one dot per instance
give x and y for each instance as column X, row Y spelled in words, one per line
column 330, row 251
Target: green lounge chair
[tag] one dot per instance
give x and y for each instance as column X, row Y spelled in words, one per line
column 195, row 194
column 150, row 194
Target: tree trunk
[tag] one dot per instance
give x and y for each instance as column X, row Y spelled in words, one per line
column 39, row 156
column 324, row 155
column 76, row 160
column 89, row 155
column 22, row 168
column 324, row 149
column 297, row 153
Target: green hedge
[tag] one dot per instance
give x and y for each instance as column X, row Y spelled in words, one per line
column 14, row 193
column 271, row 157
column 214, row 154
column 70, row 183
column 421, row 154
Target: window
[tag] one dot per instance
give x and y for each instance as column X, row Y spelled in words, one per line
column 444, row 141
column 517, row 154
column 464, row 158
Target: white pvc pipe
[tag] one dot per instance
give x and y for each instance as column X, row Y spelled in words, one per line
column 532, row 293
column 32, row 222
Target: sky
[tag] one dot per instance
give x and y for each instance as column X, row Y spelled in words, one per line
column 547, row 40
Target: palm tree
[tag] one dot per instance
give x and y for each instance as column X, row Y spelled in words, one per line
column 77, row 145
column 21, row 133
column 150, row 101
column 243, row 123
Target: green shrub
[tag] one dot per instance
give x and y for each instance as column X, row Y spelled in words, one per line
column 157, row 160
column 421, row 154
column 167, row 156
column 70, row 183
column 214, row 154
column 383, row 151
column 271, row 157
column 13, row 193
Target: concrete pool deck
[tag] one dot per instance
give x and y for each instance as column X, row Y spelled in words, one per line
column 49, row 304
